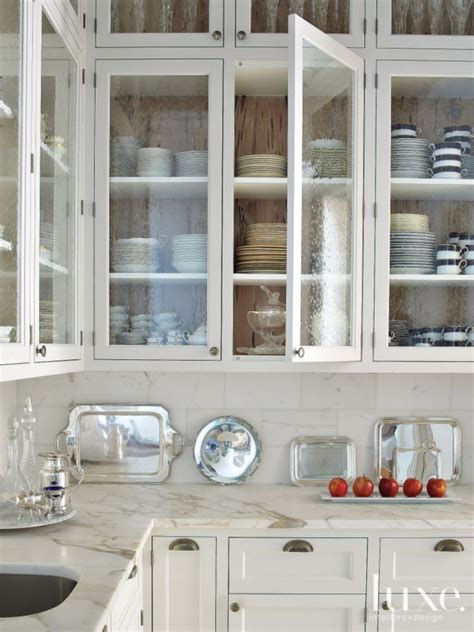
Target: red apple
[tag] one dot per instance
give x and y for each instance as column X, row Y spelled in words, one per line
column 337, row 487
column 412, row 487
column 362, row 486
column 388, row 487
column 436, row 487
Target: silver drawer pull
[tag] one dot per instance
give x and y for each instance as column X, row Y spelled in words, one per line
column 451, row 546
column 183, row 544
column 133, row 572
column 298, row 546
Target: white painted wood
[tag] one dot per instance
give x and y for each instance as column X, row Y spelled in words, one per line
column 105, row 37
column 260, row 188
column 131, row 619
column 184, row 586
column 409, row 563
column 385, row 38
column 128, row 600
column 429, row 189
column 298, row 613
column 163, row 278
column 163, row 188
column 456, row 615
column 261, row 565
column 259, row 279
column 434, row 280
column 303, row 34
column 354, row 39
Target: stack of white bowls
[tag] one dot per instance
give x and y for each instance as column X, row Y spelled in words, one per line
column 118, row 322
column 123, row 155
column 191, row 163
column 155, row 162
column 189, row 253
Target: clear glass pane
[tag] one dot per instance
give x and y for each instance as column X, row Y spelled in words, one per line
column 75, row 5
column 57, row 190
column 159, row 16
column 432, row 216
column 327, row 215
column 271, row 16
column 432, row 17
column 158, row 210
column 10, row 181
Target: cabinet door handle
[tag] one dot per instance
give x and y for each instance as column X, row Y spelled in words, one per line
column 105, row 628
column 234, row 606
column 41, row 351
column 214, row 351
column 133, row 572
column 451, row 546
column 298, row 546
column 217, row 35
column 241, row 35
column 386, row 606
column 183, row 544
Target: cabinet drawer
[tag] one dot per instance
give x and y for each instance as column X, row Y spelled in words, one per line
column 312, row 565
column 410, row 563
column 126, row 594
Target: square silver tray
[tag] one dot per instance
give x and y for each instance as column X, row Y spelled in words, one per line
column 315, row 460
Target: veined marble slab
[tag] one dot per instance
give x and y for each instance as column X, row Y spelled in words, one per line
column 113, row 522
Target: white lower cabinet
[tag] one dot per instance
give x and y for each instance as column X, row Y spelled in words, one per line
column 127, row 607
column 184, row 584
column 132, row 620
column 296, row 613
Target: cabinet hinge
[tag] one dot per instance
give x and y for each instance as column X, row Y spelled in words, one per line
column 152, row 558
column 373, row 339
column 83, row 76
column 363, row 211
column 375, row 210
column 376, row 80
column 361, row 339
column 95, row 80
column 93, row 338
column 82, row 207
column 365, row 80
column 141, row 618
column 31, row 334
column 364, row 26
column 95, row 25
column 376, row 26
column 32, row 163
column 83, row 20
column 81, row 338
column 365, row 614
column 93, row 209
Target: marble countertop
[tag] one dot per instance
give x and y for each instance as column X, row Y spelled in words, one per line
column 113, row 522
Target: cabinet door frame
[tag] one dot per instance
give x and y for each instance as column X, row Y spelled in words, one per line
column 158, row 67
column 20, row 352
column 71, row 351
column 243, row 22
column 385, row 71
column 385, row 38
column 300, row 31
column 105, row 38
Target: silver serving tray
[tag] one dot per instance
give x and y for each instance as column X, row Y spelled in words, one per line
column 315, row 460
column 418, row 447
column 121, row 444
column 9, row 519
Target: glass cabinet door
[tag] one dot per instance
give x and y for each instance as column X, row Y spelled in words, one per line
column 425, row 24
column 57, row 324
column 160, row 23
column 14, row 184
column 265, row 22
column 325, row 197
column 424, row 298
column 159, row 162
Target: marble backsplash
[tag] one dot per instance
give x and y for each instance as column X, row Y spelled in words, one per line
column 280, row 406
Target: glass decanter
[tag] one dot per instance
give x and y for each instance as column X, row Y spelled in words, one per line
column 29, row 464
column 13, row 482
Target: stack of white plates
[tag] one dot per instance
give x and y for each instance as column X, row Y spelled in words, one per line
column 141, row 324
column 261, row 166
column 131, row 338
column 49, row 322
column 266, row 233
column 468, row 164
column 413, row 253
column 409, row 223
column 123, row 155
column 399, row 331
column 263, row 258
column 189, row 253
column 411, row 158
column 137, row 254
column 191, row 163
column 154, row 162
column 330, row 162
column 118, row 322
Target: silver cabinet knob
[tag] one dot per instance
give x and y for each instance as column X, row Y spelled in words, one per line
column 183, row 544
column 385, row 605
column 300, row 352
column 234, row 606
column 41, row 351
column 298, row 546
column 241, row 35
column 450, row 546
column 217, row 35
column 214, row 351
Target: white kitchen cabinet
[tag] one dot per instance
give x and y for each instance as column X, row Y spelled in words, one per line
column 184, row 23
column 298, row 613
column 266, row 23
column 408, row 291
column 425, row 24
column 132, row 619
column 184, row 584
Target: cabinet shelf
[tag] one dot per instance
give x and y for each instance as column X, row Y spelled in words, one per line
column 163, row 278
column 280, row 279
column 276, row 188
column 171, row 188
column 432, row 280
column 429, row 189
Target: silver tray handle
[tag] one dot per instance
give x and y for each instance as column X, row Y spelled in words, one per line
column 69, row 443
column 177, row 445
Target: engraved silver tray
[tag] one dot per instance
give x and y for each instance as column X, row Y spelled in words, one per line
column 418, row 447
column 121, row 444
column 315, row 460
column 9, row 518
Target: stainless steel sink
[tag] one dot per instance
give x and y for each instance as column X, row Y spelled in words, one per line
column 24, row 593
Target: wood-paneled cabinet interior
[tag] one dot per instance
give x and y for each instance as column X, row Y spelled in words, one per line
column 437, row 24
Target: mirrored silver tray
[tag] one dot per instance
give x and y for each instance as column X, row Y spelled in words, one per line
column 227, row 450
column 377, row 499
column 315, row 460
column 418, row 447
column 9, row 518
column 115, row 444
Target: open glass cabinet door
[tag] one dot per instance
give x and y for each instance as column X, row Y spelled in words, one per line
column 325, row 172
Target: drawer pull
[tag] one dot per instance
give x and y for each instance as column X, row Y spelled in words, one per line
column 451, row 546
column 183, row 544
column 298, row 546
column 133, row 572
column 234, row 606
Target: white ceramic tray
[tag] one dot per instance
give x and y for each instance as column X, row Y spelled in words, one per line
column 377, row 499
column 9, row 519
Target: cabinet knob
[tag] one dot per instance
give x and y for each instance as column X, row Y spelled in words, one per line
column 133, row 572
column 451, row 546
column 385, row 605
column 241, row 35
column 105, row 628
column 234, row 606
column 298, row 546
column 41, row 351
column 217, row 35
column 183, row 544
column 300, row 352
column 214, row 351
